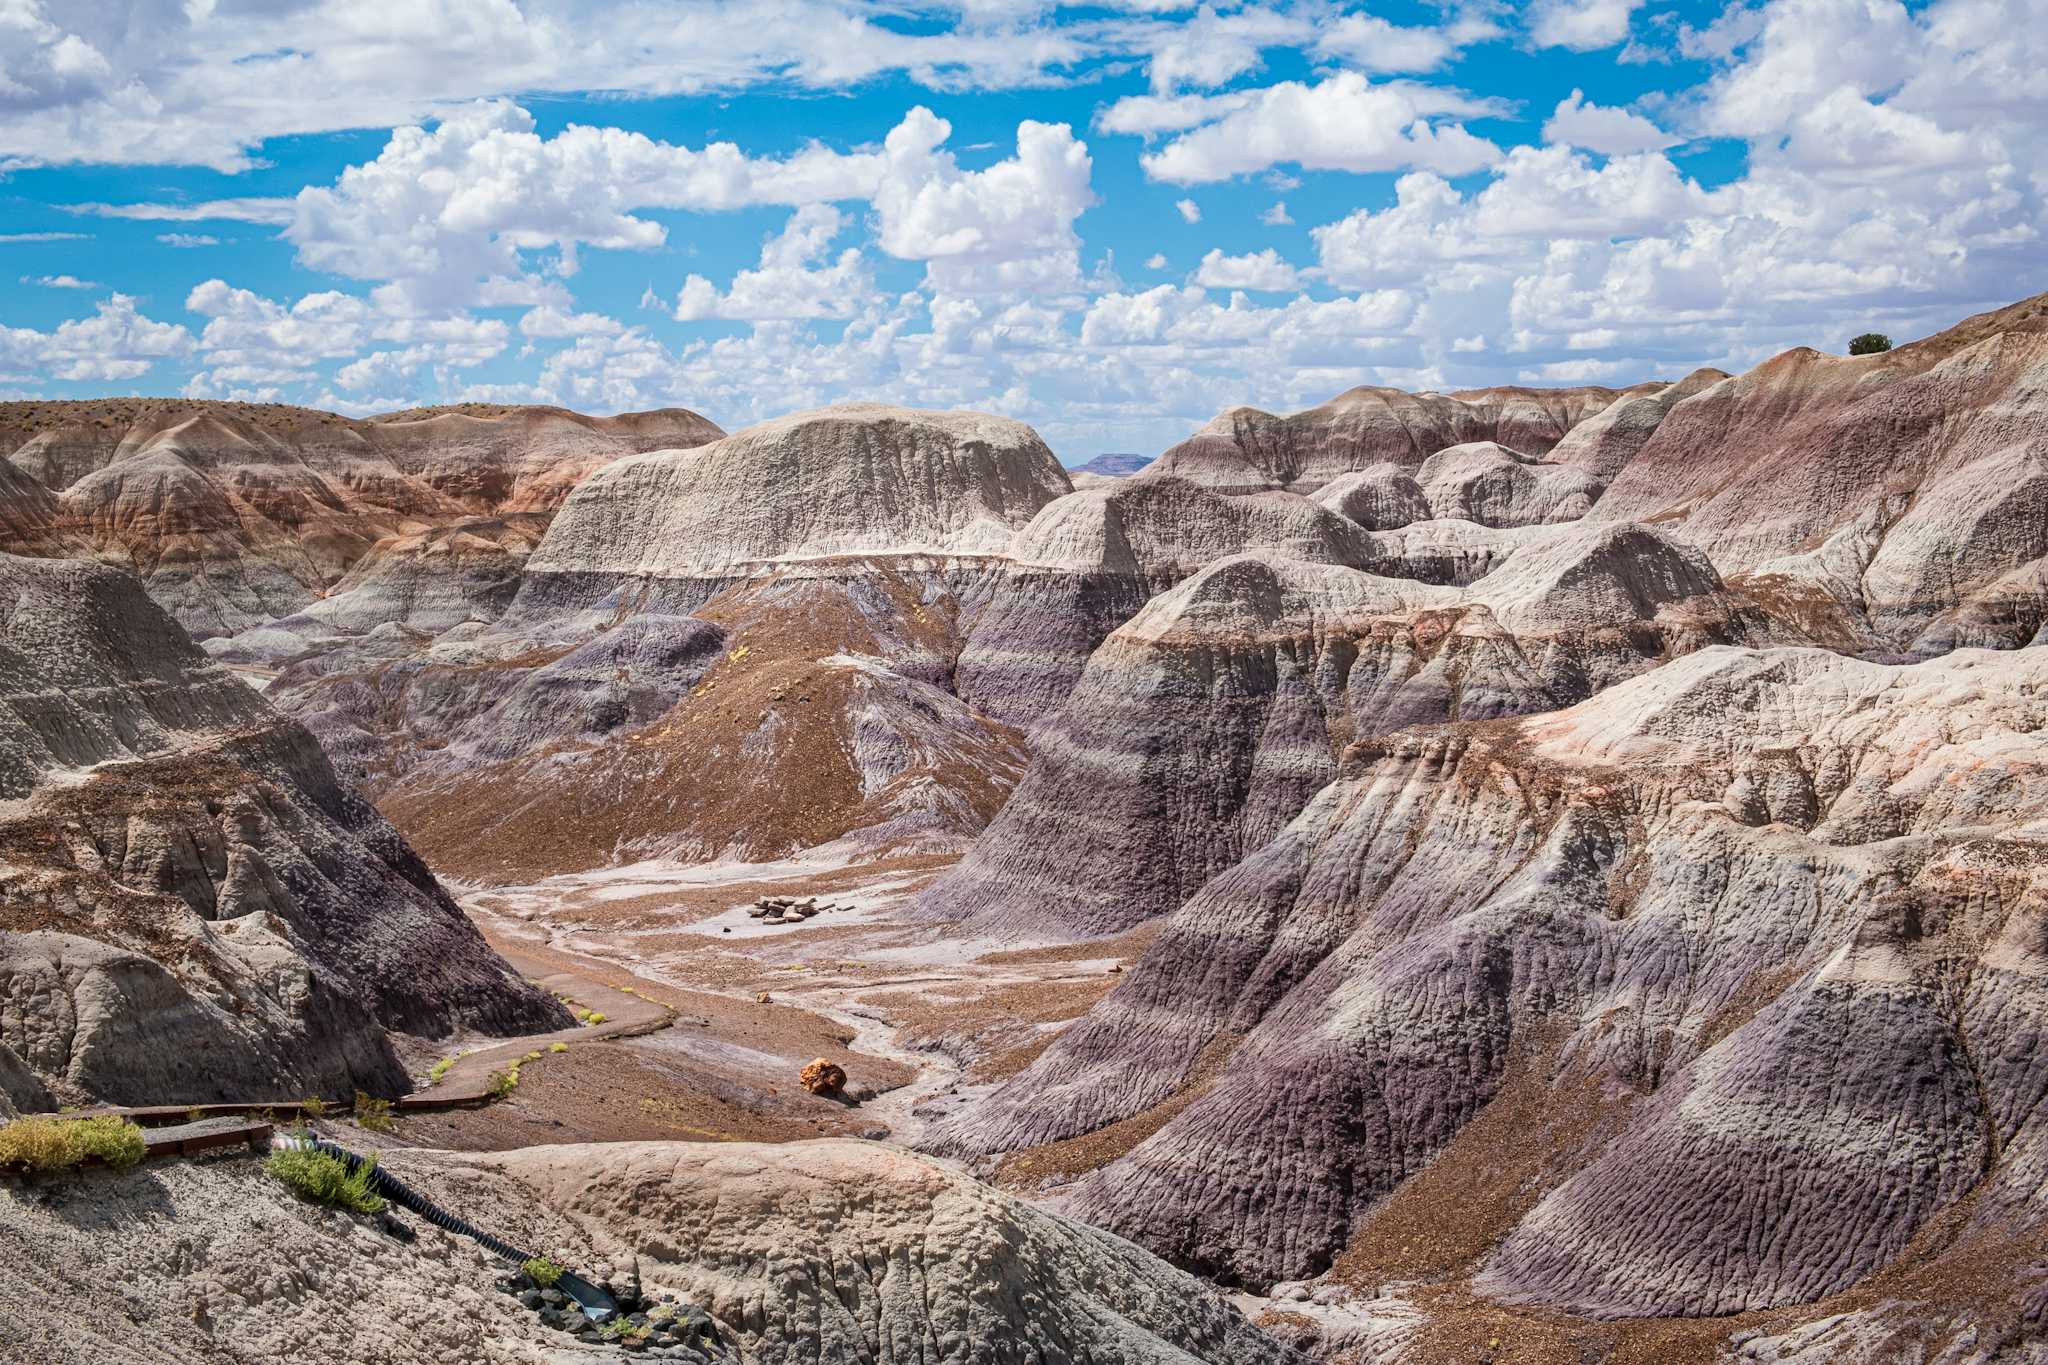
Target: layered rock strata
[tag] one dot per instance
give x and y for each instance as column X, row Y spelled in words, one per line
column 1796, row 953
column 195, row 908
column 237, row 515
column 1205, row 724
column 1891, row 500
column 1246, row 451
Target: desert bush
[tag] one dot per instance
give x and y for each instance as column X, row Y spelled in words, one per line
column 502, row 1083
column 372, row 1114
column 48, row 1144
column 324, row 1178
column 1870, row 343
column 542, row 1271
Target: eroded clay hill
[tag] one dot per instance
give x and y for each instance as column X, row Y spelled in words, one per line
column 193, row 906
column 837, row 626
column 1245, row 450
column 237, row 515
column 1894, row 502
column 1766, row 928
column 1208, row 721
column 747, row 649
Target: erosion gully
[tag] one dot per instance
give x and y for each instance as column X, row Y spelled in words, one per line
column 921, row 1019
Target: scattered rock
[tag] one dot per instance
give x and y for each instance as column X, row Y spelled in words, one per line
column 823, row 1078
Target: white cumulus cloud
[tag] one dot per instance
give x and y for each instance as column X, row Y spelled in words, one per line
column 1342, row 123
column 116, row 343
column 1611, row 132
column 1262, row 270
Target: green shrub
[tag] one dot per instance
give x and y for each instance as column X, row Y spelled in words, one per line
column 438, row 1070
column 558, row 1047
column 313, row 1107
column 47, row 1144
column 372, row 1114
column 1870, row 343
column 324, row 1178
column 115, row 1141
column 502, row 1083
column 542, row 1271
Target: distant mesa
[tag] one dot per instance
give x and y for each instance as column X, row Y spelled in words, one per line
column 856, row 479
column 1119, row 466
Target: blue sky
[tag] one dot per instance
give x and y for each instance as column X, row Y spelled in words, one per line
column 1110, row 220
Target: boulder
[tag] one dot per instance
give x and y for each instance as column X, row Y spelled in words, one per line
column 821, row 1077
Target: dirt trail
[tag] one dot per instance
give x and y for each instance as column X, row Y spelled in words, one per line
column 920, row 1019
column 626, row 1014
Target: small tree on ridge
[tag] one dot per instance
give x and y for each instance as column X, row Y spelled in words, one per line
column 1870, row 343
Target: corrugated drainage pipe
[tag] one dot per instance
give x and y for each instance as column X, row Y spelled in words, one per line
column 594, row 1301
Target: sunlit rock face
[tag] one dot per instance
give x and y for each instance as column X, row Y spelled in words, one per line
column 1890, row 502
column 1245, row 450
column 195, row 908
column 1201, row 727
column 1799, row 946
column 239, row 515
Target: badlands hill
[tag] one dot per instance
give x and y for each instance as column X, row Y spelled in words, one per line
column 1893, row 501
column 193, row 906
column 1587, row 841
column 1204, row 724
column 236, row 514
column 1763, row 999
column 1245, row 450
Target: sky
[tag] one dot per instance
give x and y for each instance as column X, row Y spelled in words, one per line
column 1110, row 220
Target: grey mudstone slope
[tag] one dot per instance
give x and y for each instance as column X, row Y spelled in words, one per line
column 238, row 515
column 1245, row 450
column 1205, row 724
column 194, row 907
column 810, row 1253
column 1785, row 909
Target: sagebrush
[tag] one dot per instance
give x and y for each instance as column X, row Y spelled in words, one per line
column 323, row 1178
column 44, row 1144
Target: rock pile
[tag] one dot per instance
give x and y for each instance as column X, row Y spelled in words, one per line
column 654, row 1326
column 789, row 909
